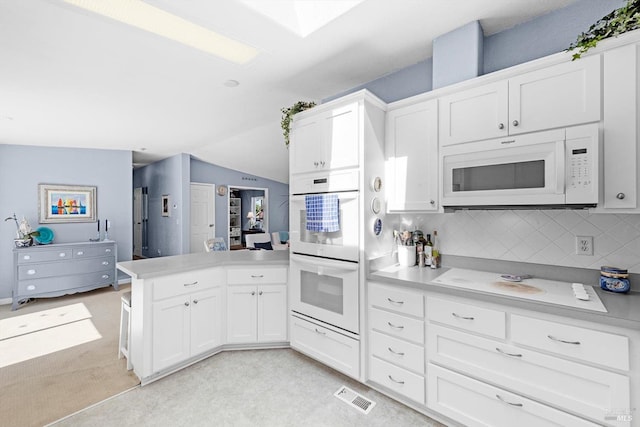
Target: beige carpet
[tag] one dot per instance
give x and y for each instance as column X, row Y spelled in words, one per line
column 46, row 388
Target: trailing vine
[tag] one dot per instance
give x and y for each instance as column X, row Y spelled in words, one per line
column 287, row 116
column 622, row 20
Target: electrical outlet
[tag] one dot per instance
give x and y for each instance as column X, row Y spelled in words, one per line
column 584, row 245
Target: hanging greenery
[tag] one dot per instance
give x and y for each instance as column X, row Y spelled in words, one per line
column 287, row 116
column 626, row 18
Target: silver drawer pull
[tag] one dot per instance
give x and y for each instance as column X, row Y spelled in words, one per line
column 257, row 276
column 457, row 316
column 394, row 326
column 501, row 399
column 62, row 254
column 26, row 257
column 105, row 276
column 105, row 262
column 511, row 141
column 551, row 337
column 394, row 302
column 195, row 301
column 395, row 352
column 80, row 253
column 260, row 293
column 394, row 380
column 253, row 292
column 508, row 354
column 31, row 272
column 320, row 332
column 186, row 304
column 191, row 284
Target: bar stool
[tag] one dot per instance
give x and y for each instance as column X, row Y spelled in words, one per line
column 125, row 329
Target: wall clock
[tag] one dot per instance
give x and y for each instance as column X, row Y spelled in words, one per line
column 222, row 190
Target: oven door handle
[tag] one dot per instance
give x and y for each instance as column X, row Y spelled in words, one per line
column 328, row 264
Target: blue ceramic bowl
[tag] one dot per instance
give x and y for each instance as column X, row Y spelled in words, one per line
column 45, row 237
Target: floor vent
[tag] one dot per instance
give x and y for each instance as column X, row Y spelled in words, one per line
column 354, row 399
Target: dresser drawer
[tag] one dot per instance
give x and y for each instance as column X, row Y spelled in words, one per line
column 397, row 379
column 396, row 299
column 62, row 285
column 40, row 255
column 597, row 347
column 396, row 351
column 466, row 316
column 474, row 403
column 93, row 251
column 397, row 325
column 49, row 269
column 572, row 386
column 250, row 276
column 185, row 283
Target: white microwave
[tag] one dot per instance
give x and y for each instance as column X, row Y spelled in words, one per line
column 557, row 168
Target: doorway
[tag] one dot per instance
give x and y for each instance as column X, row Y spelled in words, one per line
column 202, row 217
column 247, row 213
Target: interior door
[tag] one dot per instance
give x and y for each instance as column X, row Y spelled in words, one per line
column 137, row 221
column 202, row 215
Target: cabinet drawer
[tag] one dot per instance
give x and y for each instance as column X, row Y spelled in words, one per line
column 93, row 251
column 395, row 299
column 474, row 403
column 184, row 283
column 397, row 379
column 398, row 352
column 397, row 325
column 581, row 343
column 466, row 316
column 63, row 268
column 63, row 284
column 569, row 385
column 249, row 276
column 331, row 348
column 35, row 255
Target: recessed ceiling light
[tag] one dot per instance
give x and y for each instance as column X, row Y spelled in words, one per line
column 231, row 83
column 157, row 21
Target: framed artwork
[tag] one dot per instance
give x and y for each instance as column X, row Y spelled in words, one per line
column 165, row 205
column 66, row 203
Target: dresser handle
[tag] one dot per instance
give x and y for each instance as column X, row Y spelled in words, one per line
column 394, row 326
column 26, row 257
column 508, row 354
column 394, row 380
column 395, row 352
column 456, row 315
column 105, row 276
column 80, row 253
column 105, row 262
column 107, row 250
column 62, row 254
column 551, row 337
column 501, row 399
column 31, row 272
column 395, row 302
column 191, row 284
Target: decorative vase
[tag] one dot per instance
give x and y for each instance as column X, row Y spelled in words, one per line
column 23, row 243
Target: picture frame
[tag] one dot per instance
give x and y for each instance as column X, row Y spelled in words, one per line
column 58, row 203
column 165, row 205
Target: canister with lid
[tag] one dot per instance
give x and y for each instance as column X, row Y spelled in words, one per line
column 614, row 279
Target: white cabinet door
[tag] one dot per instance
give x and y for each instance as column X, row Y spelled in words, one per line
column 272, row 313
column 474, row 114
column 306, row 144
column 206, row 321
column 171, row 330
column 411, row 147
column 621, row 84
column 561, row 95
column 241, row 314
column 341, row 136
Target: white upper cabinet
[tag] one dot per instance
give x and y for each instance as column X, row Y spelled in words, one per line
column 411, row 151
column 327, row 140
column 561, row 95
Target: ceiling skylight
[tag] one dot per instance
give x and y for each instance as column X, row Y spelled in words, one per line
column 146, row 17
column 303, row 17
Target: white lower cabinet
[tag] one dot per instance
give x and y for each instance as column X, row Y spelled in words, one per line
column 475, row 403
column 256, row 313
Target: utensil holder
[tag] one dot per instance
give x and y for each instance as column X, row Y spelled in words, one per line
column 407, row 256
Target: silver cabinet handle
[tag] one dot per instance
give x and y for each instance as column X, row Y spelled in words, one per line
column 620, row 196
column 191, row 284
column 394, row 380
column 395, row 352
column 322, row 163
column 501, row 399
column 315, row 164
column 394, row 326
column 210, row 225
column 501, row 126
column 320, row 332
column 516, row 123
column 511, row 141
column 508, row 354
column 551, row 337
column 257, row 276
column 432, row 202
column 105, row 262
column 253, row 292
column 195, row 301
column 186, row 304
column 456, row 315
column 260, row 293
column 105, row 276
column 394, row 302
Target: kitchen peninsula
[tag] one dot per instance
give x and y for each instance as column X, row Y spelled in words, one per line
column 185, row 308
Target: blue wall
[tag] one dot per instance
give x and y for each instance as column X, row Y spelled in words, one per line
column 22, row 168
column 457, row 55
column 542, row 36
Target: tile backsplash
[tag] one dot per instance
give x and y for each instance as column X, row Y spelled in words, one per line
column 536, row 236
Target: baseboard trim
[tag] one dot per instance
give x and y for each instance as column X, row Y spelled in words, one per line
column 5, row 301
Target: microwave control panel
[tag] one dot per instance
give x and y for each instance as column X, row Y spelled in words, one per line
column 582, row 156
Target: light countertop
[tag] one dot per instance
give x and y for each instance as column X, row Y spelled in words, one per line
column 162, row 266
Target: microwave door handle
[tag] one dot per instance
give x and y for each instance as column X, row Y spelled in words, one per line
column 319, row 262
column 561, row 158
